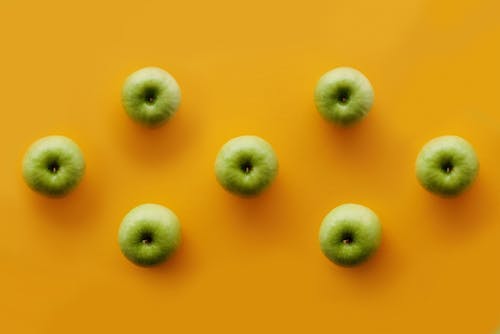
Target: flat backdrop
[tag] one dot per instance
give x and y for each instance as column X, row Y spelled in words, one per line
column 250, row 265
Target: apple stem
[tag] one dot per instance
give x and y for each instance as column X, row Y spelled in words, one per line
column 53, row 167
column 347, row 239
column 246, row 167
column 447, row 167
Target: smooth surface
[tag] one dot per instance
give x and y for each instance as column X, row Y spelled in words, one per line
column 151, row 96
column 343, row 96
column 250, row 265
column 246, row 165
column 53, row 166
column 149, row 234
column 350, row 234
column 447, row 165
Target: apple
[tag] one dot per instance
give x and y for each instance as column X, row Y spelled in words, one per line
column 350, row 234
column 343, row 96
column 53, row 166
column 246, row 165
column 151, row 96
column 149, row 234
column 447, row 165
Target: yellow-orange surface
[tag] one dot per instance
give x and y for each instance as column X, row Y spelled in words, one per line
column 250, row 265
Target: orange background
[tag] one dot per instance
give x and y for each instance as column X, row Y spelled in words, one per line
column 250, row 68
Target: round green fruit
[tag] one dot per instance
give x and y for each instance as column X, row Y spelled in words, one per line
column 447, row 165
column 343, row 96
column 151, row 96
column 149, row 234
column 350, row 234
column 53, row 166
column 246, row 165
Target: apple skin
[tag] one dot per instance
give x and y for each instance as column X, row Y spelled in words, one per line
column 246, row 165
column 343, row 96
column 151, row 96
column 350, row 234
column 149, row 234
column 447, row 166
column 53, row 166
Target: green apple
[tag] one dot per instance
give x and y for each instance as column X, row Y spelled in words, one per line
column 53, row 166
column 151, row 96
column 350, row 234
column 447, row 165
column 149, row 234
column 246, row 165
column 343, row 96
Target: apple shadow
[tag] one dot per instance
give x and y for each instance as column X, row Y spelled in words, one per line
column 379, row 271
column 72, row 211
column 263, row 216
column 175, row 270
column 357, row 134
column 155, row 145
column 365, row 143
column 461, row 215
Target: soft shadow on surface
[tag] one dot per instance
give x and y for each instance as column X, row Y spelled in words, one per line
column 459, row 217
column 361, row 146
column 379, row 271
column 176, row 269
column 73, row 211
column 361, row 133
column 158, row 144
column 264, row 216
